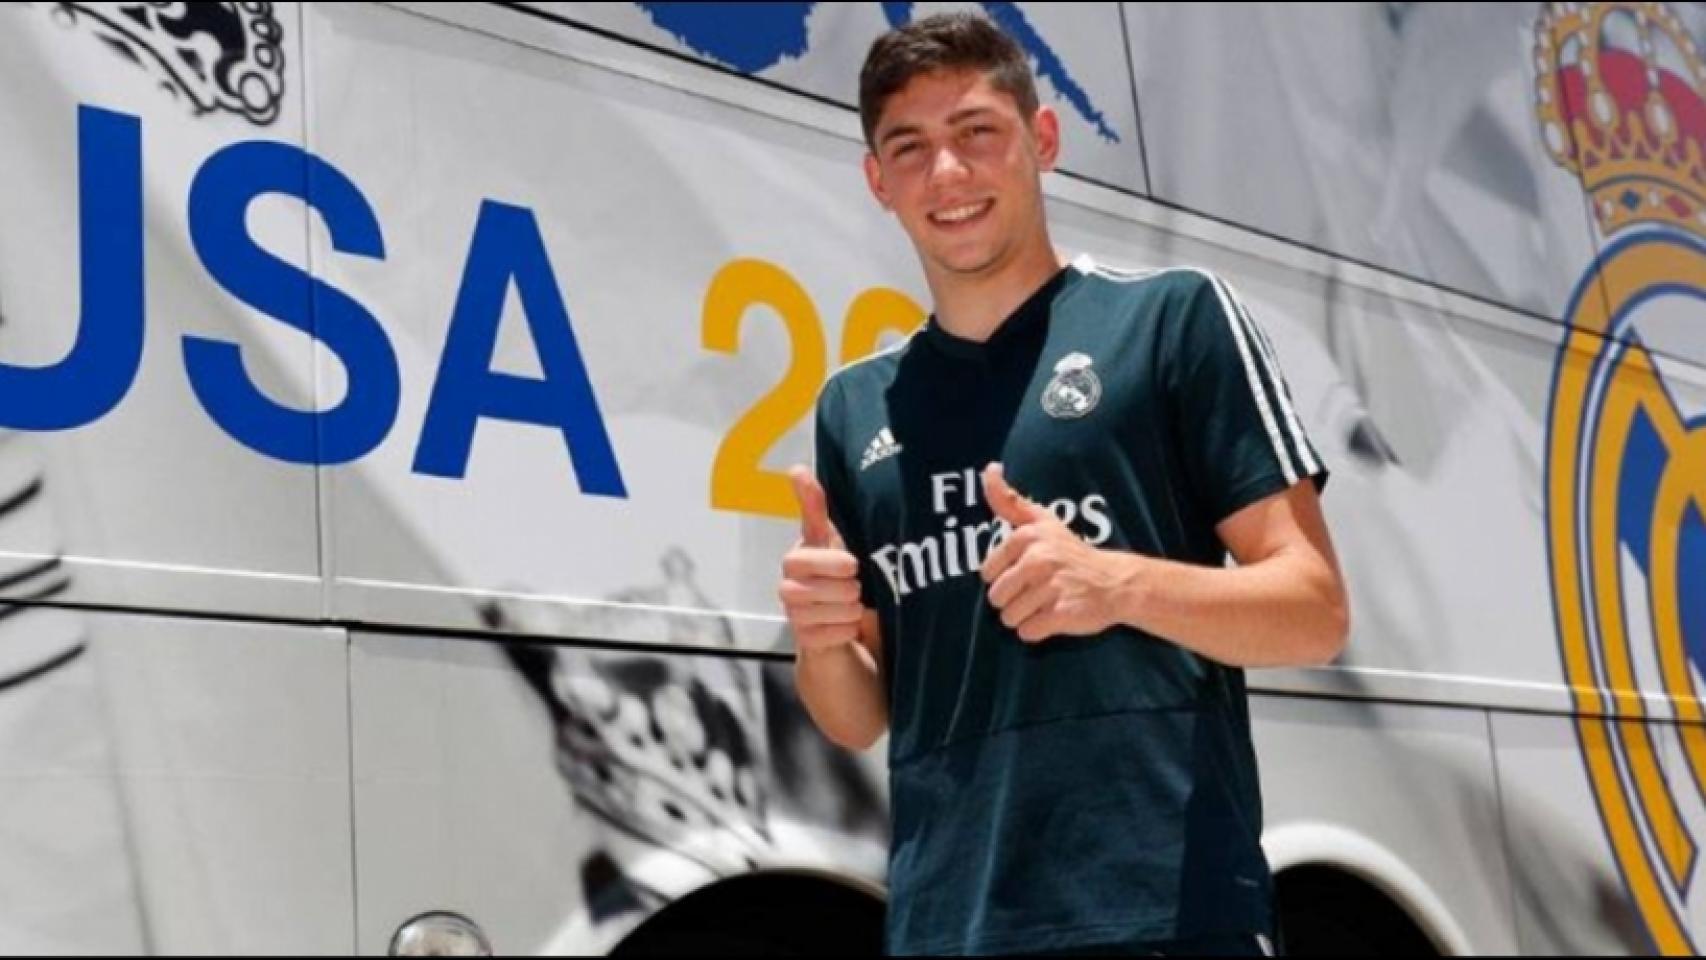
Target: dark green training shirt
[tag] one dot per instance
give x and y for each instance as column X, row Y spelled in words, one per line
column 1082, row 789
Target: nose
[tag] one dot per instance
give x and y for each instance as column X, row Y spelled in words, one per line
column 947, row 165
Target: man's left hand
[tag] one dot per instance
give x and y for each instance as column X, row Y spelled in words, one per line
column 1045, row 579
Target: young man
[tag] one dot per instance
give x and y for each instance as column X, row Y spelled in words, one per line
column 1013, row 550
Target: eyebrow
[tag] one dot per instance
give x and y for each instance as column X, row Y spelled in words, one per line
column 957, row 116
column 968, row 113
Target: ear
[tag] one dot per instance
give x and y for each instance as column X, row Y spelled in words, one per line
column 1046, row 128
column 874, row 179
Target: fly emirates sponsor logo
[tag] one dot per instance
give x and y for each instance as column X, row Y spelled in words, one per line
column 960, row 548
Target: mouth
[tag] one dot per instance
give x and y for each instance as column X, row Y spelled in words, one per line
column 962, row 216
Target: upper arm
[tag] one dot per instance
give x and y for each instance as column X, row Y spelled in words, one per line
column 1286, row 533
column 1248, row 458
column 1240, row 435
column 1287, row 522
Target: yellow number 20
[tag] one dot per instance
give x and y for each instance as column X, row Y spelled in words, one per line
column 739, row 480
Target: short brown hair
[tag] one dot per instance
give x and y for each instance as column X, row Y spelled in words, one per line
column 947, row 41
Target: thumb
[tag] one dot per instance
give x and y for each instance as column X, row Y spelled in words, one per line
column 1006, row 502
column 816, row 530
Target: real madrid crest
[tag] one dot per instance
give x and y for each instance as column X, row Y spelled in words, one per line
column 1621, row 97
column 1074, row 390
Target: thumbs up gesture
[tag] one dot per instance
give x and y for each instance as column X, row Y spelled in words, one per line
column 1044, row 579
column 820, row 579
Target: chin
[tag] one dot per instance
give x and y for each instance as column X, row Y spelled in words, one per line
column 968, row 261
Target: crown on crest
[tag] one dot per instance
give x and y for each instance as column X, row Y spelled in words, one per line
column 1622, row 103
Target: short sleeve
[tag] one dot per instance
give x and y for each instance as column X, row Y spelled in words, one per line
column 836, row 480
column 1233, row 414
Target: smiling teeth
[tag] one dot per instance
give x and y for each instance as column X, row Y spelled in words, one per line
column 958, row 214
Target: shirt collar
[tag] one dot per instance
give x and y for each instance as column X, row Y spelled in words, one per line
column 1026, row 320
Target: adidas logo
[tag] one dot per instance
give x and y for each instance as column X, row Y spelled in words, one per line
column 882, row 447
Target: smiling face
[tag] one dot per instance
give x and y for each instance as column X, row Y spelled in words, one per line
column 961, row 168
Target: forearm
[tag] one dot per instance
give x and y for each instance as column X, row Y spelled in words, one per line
column 842, row 689
column 1282, row 611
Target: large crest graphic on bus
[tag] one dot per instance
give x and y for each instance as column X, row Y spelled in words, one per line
column 1621, row 99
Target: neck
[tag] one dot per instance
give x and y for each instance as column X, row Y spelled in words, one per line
column 973, row 306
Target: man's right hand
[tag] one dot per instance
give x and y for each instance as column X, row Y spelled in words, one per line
column 820, row 579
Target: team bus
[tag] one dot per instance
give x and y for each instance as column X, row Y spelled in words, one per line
column 396, row 399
